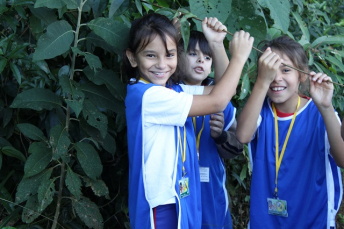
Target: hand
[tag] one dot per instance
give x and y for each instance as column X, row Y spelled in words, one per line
column 241, row 45
column 216, row 124
column 321, row 90
column 268, row 65
column 214, row 30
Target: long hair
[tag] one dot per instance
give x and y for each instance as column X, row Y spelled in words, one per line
column 142, row 32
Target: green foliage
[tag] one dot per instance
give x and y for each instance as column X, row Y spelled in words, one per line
column 63, row 148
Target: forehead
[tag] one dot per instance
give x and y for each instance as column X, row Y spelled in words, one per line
column 157, row 43
column 284, row 57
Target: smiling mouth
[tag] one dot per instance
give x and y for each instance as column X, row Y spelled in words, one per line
column 159, row 74
column 277, row 88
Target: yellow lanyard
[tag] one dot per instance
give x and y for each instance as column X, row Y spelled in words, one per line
column 182, row 150
column 144, row 80
column 277, row 157
column 198, row 139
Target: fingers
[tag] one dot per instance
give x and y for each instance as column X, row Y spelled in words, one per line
column 320, row 77
column 215, row 24
column 216, row 121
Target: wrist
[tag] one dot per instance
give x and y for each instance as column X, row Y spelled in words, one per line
column 221, row 139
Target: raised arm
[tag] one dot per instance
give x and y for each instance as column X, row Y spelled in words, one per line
column 213, row 31
column 221, row 94
column 322, row 93
column 268, row 64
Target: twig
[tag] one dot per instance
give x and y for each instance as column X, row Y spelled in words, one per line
column 196, row 18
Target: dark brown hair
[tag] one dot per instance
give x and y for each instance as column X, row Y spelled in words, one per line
column 142, row 32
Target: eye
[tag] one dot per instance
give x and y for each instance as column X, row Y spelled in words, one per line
column 207, row 57
column 192, row 54
column 170, row 55
column 150, row 55
column 285, row 70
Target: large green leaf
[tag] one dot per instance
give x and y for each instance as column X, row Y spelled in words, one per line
column 38, row 160
column 77, row 96
column 279, row 12
column 248, row 16
column 101, row 96
column 55, row 41
column 12, row 152
column 73, row 183
column 46, row 193
column 88, row 212
column 98, row 187
column 16, row 72
column 31, row 131
column 92, row 60
column 245, row 87
column 110, row 79
column 28, row 186
column 45, row 15
column 89, row 160
column 113, row 32
column 302, row 24
column 205, row 8
column 52, row 4
column 59, row 140
column 36, row 99
column 95, row 118
column 339, row 39
column 30, row 212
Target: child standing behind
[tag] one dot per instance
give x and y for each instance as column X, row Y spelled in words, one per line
column 199, row 59
column 296, row 144
column 164, row 179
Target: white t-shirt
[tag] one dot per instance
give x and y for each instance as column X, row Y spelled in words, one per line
column 160, row 154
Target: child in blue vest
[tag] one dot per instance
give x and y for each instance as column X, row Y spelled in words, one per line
column 294, row 141
column 209, row 129
column 164, row 179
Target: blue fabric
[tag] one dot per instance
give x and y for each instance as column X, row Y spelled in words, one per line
column 215, row 209
column 139, row 209
column 191, row 207
column 166, row 217
column 302, row 180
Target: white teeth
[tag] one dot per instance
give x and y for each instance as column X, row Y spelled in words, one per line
column 159, row 73
column 277, row 88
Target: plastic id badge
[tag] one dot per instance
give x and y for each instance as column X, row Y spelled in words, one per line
column 277, row 207
column 184, row 187
column 204, row 173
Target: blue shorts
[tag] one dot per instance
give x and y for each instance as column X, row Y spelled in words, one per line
column 165, row 216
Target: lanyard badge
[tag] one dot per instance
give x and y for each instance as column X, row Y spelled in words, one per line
column 275, row 205
column 184, row 190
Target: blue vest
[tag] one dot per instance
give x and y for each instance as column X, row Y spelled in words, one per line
column 139, row 209
column 308, row 178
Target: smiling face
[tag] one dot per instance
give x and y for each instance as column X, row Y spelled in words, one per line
column 198, row 66
column 154, row 62
column 283, row 90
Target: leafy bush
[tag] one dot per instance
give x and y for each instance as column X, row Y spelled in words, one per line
column 63, row 152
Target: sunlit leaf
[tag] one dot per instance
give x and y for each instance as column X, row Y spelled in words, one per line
column 339, row 39
column 245, row 87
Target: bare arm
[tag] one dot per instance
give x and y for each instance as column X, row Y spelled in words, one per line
column 321, row 93
column 343, row 128
column 214, row 32
column 221, row 94
column 247, row 121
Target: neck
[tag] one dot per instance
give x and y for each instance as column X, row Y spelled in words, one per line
column 192, row 83
column 288, row 106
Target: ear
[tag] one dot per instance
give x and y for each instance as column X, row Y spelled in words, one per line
column 303, row 77
column 131, row 58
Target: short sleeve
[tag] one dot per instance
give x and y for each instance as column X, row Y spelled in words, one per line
column 164, row 106
column 193, row 90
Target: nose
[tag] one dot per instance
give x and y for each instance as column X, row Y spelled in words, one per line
column 278, row 77
column 200, row 59
column 161, row 63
